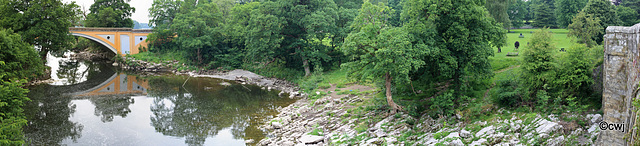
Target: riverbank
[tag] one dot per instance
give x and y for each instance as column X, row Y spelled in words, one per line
column 344, row 115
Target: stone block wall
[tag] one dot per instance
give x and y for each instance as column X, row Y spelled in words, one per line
column 620, row 81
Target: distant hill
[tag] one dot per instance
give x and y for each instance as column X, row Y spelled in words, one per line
column 137, row 25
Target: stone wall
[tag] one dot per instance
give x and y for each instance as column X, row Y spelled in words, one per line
column 620, row 81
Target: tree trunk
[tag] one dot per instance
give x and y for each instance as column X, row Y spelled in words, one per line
column 199, row 57
column 387, row 83
column 305, row 64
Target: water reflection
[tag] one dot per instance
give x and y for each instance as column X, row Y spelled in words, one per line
column 202, row 108
column 48, row 114
column 98, row 106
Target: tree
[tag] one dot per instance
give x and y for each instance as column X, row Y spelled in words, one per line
column 498, row 11
column 538, row 66
column 380, row 50
column 162, row 13
column 19, row 63
column 628, row 16
column 586, row 28
column 20, row 59
column 605, row 11
column 458, row 38
column 40, row 23
column 567, row 9
column 110, row 13
column 544, row 14
column 517, row 11
column 633, row 4
column 574, row 77
column 197, row 30
column 298, row 24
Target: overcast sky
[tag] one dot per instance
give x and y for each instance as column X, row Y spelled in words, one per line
column 142, row 8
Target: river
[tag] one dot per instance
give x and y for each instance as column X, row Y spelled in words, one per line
column 93, row 104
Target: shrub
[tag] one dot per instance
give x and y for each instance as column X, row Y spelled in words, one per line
column 443, row 104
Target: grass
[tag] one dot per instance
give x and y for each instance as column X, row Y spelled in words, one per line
column 501, row 60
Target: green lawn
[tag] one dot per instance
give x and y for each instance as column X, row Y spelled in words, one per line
column 501, row 61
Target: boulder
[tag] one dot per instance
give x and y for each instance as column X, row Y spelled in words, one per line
column 485, row 131
column 311, row 139
column 555, row 141
column 478, row 142
column 456, row 142
column 465, row 133
column 546, row 127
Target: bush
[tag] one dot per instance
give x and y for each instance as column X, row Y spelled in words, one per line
column 443, row 104
column 507, row 93
column 20, row 59
column 12, row 98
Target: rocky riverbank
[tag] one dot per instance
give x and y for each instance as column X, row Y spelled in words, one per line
column 340, row 121
column 240, row 76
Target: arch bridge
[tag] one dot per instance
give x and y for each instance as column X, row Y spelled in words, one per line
column 121, row 41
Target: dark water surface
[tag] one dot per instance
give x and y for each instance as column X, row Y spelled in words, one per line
column 91, row 104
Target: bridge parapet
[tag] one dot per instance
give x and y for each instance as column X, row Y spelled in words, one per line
column 121, row 41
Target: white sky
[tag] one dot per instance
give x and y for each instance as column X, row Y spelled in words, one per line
column 142, row 8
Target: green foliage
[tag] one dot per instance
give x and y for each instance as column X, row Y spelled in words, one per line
column 517, row 10
column 40, row 23
column 586, row 28
column 628, row 16
column 567, row 9
column 443, row 104
column 508, row 92
column 110, row 13
column 538, row 66
column 457, row 38
column 20, row 60
column 12, row 98
column 605, row 11
column 544, row 15
column 574, row 76
column 498, row 9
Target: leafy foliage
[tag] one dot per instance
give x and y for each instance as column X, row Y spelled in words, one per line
column 544, row 15
column 628, row 16
column 586, row 28
column 574, row 77
column 378, row 49
column 498, row 9
column 538, row 66
column 567, row 9
column 605, row 11
column 20, row 60
column 110, row 13
column 517, row 11
column 40, row 23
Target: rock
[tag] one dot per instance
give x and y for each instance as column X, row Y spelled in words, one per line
column 310, row 139
column 553, row 117
column 465, row 133
column 478, row 142
column 249, row 141
column 453, row 135
column 115, row 64
column 281, row 93
column 288, row 143
column 380, row 133
column 276, row 125
column 594, row 118
column 546, row 127
column 456, row 142
column 485, row 131
column 555, row 141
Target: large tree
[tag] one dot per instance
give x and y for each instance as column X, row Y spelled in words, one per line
column 110, row 13
column 290, row 30
column 605, row 11
column 458, row 36
column 498, row 10
column 197, row 30
column 517, row 11
column 538, row 66
column 380, row 50
column 41, row 23
column 586, row 28
column 567, row 9
column 544, row 13
column 628, row 16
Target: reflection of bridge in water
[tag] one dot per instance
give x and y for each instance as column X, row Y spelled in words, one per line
column 116, row 84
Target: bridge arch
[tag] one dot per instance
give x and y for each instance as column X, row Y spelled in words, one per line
column 113, row 49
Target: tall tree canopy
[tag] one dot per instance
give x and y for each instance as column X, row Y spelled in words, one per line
column 498, row 10
column 605, row 11
column 457, row 36
column 380, row 50
column 544, row 15
column 517, row 11
column 41, row 23
column 567, row 9
column 110, row 13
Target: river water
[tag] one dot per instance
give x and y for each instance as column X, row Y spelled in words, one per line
column 93, row 104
